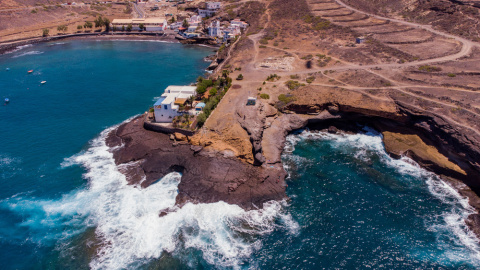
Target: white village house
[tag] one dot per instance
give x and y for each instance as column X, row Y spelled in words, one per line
column 168, row 105
column 151, row 24
column 216, row 30
column 239, row 23
column 214, row 5
column 206, row 13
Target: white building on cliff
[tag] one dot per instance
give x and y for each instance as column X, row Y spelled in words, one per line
column 168, row 105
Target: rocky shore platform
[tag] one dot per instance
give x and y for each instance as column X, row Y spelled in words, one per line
column 145, row 157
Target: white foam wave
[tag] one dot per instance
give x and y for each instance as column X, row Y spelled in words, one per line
column 9, row 166
column 450, row 224
column 145, row 40
column 5, row 160
column 18, row 48
column 128, row 223
column 27, row 53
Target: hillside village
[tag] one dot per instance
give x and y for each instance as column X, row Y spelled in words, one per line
column 198, row 22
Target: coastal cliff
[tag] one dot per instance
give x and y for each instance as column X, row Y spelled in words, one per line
column 322, row 81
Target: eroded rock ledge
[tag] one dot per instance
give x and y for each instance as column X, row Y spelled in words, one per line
column 207, row 176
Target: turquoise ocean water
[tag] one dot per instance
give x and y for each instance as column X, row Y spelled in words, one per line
column 65, row 205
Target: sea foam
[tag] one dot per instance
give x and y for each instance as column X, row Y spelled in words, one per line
column 449, row 226
column 27, row 53
column 127, row 218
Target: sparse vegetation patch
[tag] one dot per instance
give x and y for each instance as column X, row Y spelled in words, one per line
column 292, row 85
column 427, row 68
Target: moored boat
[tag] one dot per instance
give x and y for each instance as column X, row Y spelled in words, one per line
column 30, row 71
column 43, row 82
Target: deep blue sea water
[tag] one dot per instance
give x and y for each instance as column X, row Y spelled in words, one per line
column 65, row 205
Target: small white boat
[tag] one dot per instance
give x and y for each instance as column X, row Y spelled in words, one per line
column 7, row 69
column 7, row 100
column 43, row 82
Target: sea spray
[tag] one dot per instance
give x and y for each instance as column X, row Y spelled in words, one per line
column 127, row 218
column 70, row 111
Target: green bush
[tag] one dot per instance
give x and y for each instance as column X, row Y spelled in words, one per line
column 264, row 96
column 201, row 118
column 273, row 77
column 286, row 99
column 213, row 91
column 310, row 79
column 427, row 68
column 451, row 75
column 62, row 28
column 292, row 85
column 240, row 77
column 88, row 25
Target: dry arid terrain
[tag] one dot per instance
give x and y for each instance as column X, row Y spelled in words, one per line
column 24, row 19
column 419, row 85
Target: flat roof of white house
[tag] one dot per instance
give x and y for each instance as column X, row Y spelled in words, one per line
column 173, row 92
column 181, row 89
column 169, row 99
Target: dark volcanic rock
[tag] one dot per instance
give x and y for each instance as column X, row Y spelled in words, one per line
column 332, row 130
column 473, row 222
column 206, row 177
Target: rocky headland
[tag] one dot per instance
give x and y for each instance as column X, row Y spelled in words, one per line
column 424, row 111
column 145, row 157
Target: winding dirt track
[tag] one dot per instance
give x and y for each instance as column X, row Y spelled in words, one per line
column 466, row 49
column 466, row 44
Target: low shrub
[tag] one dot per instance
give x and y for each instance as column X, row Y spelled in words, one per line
column 427, row 68
column 292, row 85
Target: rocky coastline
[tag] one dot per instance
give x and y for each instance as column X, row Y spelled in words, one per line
column 210, row 175
column 145, row 156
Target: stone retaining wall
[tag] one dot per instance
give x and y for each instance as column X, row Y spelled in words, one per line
column 148, row 125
